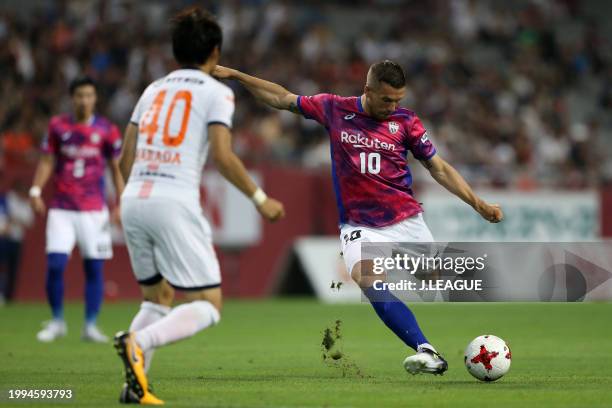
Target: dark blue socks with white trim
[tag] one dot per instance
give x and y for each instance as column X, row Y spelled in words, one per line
column 396, row 315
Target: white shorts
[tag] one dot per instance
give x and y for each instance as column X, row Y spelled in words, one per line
column 172, row 240
column 90, row 229
column 411, row 229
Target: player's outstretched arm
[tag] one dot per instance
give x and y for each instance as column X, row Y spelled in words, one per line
column 267, row 92
column 232, row 168
column 128, row 151
column 449, row 178
column 41, row 176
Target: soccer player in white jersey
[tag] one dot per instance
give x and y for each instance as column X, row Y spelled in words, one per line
column 177, row 120
column 371, row 137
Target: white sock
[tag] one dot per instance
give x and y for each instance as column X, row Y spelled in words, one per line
column 148, row 314
column 182, row 322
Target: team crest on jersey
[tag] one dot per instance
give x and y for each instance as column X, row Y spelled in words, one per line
column 95, row 138
column 393, row 127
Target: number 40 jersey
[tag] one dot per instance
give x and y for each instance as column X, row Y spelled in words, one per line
column 372, row 181
column 173, row 115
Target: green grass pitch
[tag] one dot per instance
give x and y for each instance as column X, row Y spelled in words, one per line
column 268, row 354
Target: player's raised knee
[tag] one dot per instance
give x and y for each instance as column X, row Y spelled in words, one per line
column 363, row 275
column 356, row 273
column 213, row 296
column 161, row 293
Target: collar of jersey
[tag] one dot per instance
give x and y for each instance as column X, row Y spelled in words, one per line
column 190, row 69
column 89, row 122
column 359, row 105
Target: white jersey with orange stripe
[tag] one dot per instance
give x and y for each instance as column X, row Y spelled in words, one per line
column 173, row 115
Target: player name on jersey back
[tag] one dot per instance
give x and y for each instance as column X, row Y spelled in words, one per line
column 173, row 115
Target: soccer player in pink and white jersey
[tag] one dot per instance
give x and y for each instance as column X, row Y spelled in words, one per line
column 370, row 138
column 75, row 152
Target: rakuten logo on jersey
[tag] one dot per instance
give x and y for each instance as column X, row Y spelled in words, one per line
column 360, row 141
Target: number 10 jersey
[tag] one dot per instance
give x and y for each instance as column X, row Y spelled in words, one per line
column 371, row 177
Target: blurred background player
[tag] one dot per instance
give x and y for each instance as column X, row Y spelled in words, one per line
column 76, row 150
column 174, row 124
column 370, row 138
column 15, row 217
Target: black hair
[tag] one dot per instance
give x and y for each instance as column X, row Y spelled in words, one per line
column 389, row 72
column 79, row 82
column 195, row 34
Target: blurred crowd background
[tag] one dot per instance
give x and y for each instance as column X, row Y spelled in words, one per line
column 513, row 93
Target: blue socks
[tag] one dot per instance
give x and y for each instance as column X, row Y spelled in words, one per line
column 56, row 263
column 396, row 315
column 94, row 288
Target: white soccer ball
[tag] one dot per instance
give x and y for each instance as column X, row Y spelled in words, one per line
column 487, row 358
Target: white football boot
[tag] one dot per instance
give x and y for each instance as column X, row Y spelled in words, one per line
column 426, row 360
column 92, row 333
column 52, row 330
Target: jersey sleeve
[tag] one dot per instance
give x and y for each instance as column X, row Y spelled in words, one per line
column 136, row 113
column 317, row 107
column 418, row 142
column 222, row 109
column 49, row 144
column 112, row 144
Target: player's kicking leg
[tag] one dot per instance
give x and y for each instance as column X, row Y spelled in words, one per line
column 201, row 311
column 400, row 319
